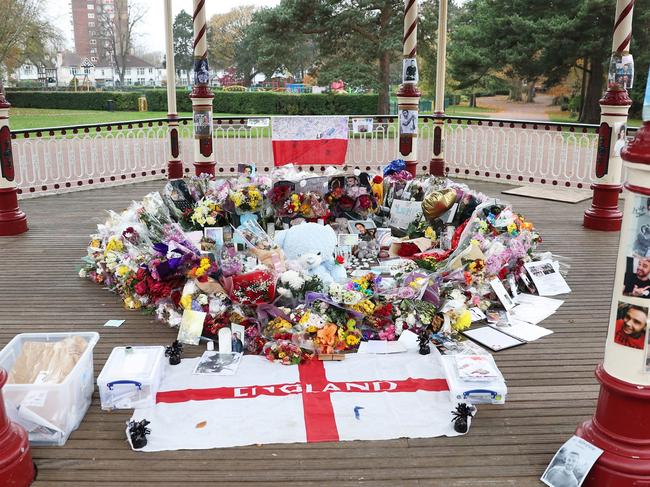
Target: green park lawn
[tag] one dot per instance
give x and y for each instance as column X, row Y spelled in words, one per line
column 559, row 116
column 29, row 118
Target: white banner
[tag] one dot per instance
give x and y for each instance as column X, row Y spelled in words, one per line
column 364, row 397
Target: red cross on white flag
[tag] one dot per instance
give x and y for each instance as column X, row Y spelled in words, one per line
column 363, row 397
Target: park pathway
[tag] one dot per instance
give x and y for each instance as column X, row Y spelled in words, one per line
column 516, row 110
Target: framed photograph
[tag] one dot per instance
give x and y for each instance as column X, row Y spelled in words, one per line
column 631, row 325
column 202, row 124
column 314, row 185
column 636, row 282
column 362, row 125
column 251, row 233
column 246, row 170
column 571, row 464
column 362, row 228
column 218, row 363
column 201, row 71
column 352, row 182
column 408, row 122
column 348, row 239
column 237, row 337
column 624, row 72
column 410, row 70
column 215, row 234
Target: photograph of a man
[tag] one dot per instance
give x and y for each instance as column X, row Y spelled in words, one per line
column 636, row 283
column 237, row 345
column 631, row 323
column 562, row 474
column 408, row 122
column 571, row 464
column 410, row 70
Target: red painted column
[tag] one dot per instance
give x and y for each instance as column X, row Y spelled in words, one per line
column 16, row 466
column 408, row 96
column 12, row 220
column 201, row 96
column 604, row 213
column 621, row 423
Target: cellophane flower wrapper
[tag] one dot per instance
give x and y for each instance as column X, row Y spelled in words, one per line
column 247, row 198
column 254, row 235
column 198, row 186
column 253, row 288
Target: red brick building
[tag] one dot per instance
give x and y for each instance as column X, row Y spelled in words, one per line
column 89, row 18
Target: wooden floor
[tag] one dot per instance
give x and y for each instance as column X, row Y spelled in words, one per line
column 551, row 383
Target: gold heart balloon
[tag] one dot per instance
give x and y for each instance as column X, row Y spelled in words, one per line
column 438, row 202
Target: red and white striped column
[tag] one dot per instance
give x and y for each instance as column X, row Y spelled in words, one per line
column 201, row 95
column 604, row 213
column 408, row 96
column 174, row 164
column 620, row 425
column 437, row 164
column 12, row 220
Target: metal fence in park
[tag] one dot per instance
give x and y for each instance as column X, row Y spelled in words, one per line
column 86, row 156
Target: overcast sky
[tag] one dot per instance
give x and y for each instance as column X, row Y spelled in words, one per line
column 152, row 28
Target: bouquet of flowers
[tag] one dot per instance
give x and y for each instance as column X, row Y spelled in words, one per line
column 286, row 353
column 308, row 205
column 247, row 199
column 293, row 285
column 253, row 288
column 207, row 213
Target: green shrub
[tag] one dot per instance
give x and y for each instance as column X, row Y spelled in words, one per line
column 245, row 103
column 83, row 100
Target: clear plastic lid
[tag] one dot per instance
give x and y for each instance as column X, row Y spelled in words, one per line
column 132, row 363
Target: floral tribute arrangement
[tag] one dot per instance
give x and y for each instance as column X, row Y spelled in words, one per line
column 150, row 256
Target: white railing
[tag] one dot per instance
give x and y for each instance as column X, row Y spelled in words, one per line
column 83, row 157
column 522, row 152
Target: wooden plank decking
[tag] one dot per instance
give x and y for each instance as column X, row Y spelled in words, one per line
column 551, row 382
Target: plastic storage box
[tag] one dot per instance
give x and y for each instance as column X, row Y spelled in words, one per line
column 131, row 377
column 474, row 391
column 50, row 412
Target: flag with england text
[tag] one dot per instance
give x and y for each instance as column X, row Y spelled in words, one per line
column 309, row 140
column 364, row 397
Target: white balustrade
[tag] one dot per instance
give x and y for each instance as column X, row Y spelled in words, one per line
column 69, row 159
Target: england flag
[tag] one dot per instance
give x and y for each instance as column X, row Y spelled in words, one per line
column 364, row 397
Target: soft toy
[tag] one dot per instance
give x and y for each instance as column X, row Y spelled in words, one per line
column 367, row 249
column 310, row 248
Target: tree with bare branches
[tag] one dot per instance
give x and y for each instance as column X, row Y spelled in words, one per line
column 117, row 28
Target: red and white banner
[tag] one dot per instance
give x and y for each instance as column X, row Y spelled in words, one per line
column 321, row 140
column 364, row 397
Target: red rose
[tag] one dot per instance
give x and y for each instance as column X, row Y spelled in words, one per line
column 141, row 274
column 407, row 249
column 141, row 288
column 346, row 203
column 377, row 179
column 340, row 259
